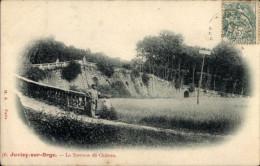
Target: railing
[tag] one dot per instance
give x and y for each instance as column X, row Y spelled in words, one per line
column 62, row 64
column 78, row 101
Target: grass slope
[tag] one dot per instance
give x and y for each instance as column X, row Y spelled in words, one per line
column 213, row 115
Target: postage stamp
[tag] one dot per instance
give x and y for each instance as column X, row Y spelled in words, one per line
column 239, row 22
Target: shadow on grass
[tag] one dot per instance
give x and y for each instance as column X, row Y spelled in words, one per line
column 68, row 132
column 216, row 126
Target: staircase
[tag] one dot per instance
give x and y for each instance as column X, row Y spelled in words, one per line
column 84, row 77
column 60, row 83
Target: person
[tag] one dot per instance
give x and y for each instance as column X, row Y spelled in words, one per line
column 93, row 93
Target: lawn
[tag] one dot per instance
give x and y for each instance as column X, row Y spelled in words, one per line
column 212, row 115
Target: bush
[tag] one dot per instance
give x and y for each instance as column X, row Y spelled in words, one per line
column 124, row 72
column 116, row 89
column 111, row 114
column 95, row 80
column 105, row 68
column 191, row 88
column 177, row 84
column 145, row 78
column 71, row 72
column 36, row 74
column 134, row 73
column 137, row 89
column 119, row 89
column 222, row 94
column 127, row 66
column 74, row 88
column 104, row 89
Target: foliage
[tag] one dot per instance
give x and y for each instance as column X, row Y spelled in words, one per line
column 36, row 74
column 145, row 78
column 119, row 89
column 127, row 66
column 109, row 114
column 95, row 80
column 116, row 89
column 48, row 50
column 124, row 72
column 166, row 52
column 177, row 84
column 74, row 88
column 134, row 74
column 105, row 68
column 164, row 55
column 161, row 50
column 191, row 88
column 71, row 72
column 137, row 88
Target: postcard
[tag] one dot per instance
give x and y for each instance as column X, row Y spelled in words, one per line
column 130, row 82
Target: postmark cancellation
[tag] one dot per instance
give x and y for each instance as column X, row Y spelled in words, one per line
column 239, row 22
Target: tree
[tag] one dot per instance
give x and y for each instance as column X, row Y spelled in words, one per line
column 106, row 68
column 161, row 51
column 167, row 57
column 228, row 65
column 145, row 78
column 71, row 72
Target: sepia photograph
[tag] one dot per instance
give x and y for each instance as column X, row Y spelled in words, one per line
column 101, row 83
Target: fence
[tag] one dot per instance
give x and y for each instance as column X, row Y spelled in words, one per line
column 60, row 97
column 63, row 64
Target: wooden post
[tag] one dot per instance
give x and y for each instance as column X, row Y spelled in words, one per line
column 203, row 52
column 198, row 96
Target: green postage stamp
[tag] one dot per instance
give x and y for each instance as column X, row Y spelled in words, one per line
column 239, row 22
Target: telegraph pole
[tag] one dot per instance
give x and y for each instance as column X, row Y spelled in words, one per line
column 204, row 53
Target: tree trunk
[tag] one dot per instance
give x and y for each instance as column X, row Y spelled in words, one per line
column 150, row 66
column 234, row 87
column 214, row 88
column 242, row 91
column 208, row 78
column 179, row 69
column 193, row 73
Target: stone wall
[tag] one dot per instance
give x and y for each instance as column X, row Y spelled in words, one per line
column 157, row 88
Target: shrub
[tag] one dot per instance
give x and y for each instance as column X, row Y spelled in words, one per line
column 109, row 114
column 137, row 89
column 191, row 88
column 71, row 72
column 177, row 84
column 36, row 74
column 119, row 89
column 104, row 89
column 134, row 73
column 222, row 94
column 95, row 79
column 116, row 89
column 105, row 68
column 74, row 88
column 127, row 66
column 124, row 72
column 145, row 78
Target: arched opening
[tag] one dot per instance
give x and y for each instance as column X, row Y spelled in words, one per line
column 186, row 94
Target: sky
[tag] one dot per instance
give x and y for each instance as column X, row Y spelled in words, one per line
column 114, row 27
